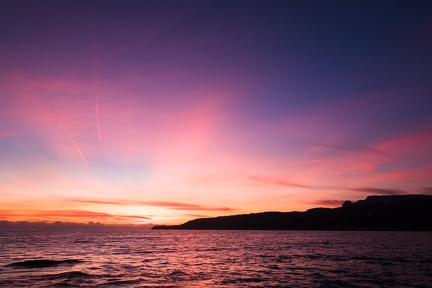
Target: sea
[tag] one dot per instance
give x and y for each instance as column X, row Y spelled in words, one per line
column 200, row 258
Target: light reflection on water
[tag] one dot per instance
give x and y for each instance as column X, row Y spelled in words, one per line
column 148, row 258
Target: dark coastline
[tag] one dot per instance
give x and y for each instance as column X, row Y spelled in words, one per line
column 375, row 213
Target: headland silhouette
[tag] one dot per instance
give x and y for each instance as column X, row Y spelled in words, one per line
column 386, row 213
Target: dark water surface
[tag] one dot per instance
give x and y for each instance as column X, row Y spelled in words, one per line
column 158, row 258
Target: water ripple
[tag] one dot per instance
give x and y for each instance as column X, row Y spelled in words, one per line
column 120, row 258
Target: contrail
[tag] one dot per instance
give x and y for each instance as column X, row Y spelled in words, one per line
column 61, row 125
column 76, row 146
column 96, row 69
column 97, row 117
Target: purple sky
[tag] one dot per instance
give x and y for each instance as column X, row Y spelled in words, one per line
column 164, row 111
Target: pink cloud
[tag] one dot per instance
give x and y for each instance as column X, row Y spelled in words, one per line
column 7, row 214
column 378, row 191
column 349, row 148
column 133, row 217
column 7, row 133
column 71, row 214
column 186, row 206
column 411, row 144
column 278, row 182
column 90, row 201
column 75, row 215
column 165, row 204
column 327, row 202
column 198, row 215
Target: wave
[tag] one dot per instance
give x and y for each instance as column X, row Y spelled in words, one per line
column 68, row 275
column 124, row 282
column 42, row 263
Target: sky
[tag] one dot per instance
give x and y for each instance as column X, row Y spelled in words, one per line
column 166, row 111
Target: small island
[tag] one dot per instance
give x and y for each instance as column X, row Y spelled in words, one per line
column 387, row 213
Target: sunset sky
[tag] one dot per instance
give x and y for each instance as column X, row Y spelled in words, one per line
column 165, row 111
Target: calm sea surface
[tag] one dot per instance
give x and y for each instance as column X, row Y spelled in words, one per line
column 158, row 258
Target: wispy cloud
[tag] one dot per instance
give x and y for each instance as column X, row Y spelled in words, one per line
column 408, row 144
column 329, row 202
column 72, row 214
column 197, row 215
column 91, row 201
column 278, row 182
column 6, row 214
column 132, row 217
column 347, row 148
column 185, row 206
column 165, row 204
column 378, row 191
column 7, row 133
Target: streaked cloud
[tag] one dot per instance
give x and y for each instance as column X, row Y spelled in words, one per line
column 7, row 214
column 7, row 133
column 378, row 191
column 198, row 215
column 56, row 215
column 328, row 202
column 164, row 204
column 347, row 148
column 186, row 206
column 90, row 201
column 278, row 182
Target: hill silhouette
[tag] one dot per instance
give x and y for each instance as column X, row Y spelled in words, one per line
column 401, row 212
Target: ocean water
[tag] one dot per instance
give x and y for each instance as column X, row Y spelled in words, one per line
column 169, row 258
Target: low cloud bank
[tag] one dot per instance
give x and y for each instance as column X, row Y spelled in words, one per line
column 4, row 224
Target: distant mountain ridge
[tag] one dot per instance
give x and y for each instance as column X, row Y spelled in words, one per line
column 402, row 212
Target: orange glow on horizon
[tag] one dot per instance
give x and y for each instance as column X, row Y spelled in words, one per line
column 119, row 114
